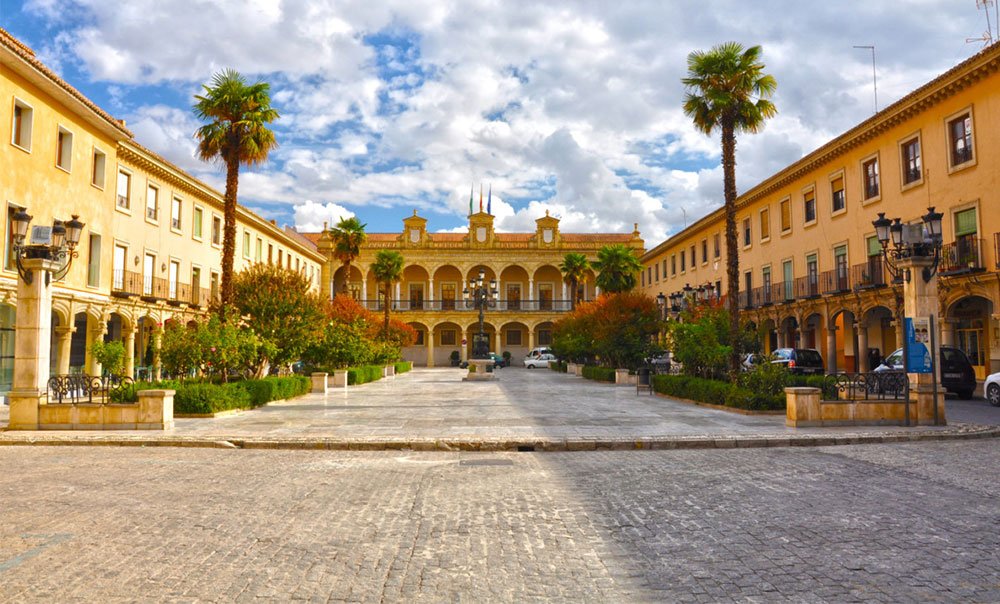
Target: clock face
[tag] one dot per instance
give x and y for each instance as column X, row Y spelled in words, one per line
column 415, row 235
column 481, row 234
column 547, row 235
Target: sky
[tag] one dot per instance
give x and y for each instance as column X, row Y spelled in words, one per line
column 569, row 106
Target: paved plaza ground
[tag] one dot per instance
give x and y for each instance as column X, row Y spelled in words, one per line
column 522, row 405
column 879, row 523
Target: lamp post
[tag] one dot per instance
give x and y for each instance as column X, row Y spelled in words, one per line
column 906, row 248
column 48, row 254
column 481, row 296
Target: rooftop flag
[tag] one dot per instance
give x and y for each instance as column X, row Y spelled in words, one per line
column 471, row 189
column 489, row 201
column 480, row 198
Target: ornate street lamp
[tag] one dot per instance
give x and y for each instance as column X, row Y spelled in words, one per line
column 57, row 242
column 481, row 297
column 661, row 303
column 907, row 244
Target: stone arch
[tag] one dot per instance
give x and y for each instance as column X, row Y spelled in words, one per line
column 542, row 333
column 342, row 284
column 788, row 332
column 547, row 286
column 447, row 337
column 513, row 287
column 448, row 284
column 418, row 352
column 812, row 331
column 414, row 287
column 967, row 326
column 491, row 331
column 769, row 335
column 515, row 338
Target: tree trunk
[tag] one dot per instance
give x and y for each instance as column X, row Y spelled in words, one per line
column 347, row 279
column 229, row 230
column 572, row 294
column 732, row 245
column 388, row 292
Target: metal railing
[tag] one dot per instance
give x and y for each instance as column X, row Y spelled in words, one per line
column 83, row 388
column 874, row 385
column 807, row 287
column 965, row 255
column 868, row 275
column 460, row 305
column 836, row 281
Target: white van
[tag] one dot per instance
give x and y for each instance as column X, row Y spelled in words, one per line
column 537, row 352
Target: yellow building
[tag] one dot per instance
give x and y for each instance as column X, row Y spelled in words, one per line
column 151, row 248
column 811, row 272
column 525, row 266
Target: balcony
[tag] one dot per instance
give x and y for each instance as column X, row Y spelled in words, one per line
column 869, row 275
column 836, row 281
column 125, row 284
column 807, row 287
column 963, row 256
column 543, row 305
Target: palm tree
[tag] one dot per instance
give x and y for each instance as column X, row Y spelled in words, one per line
column 617, row 267
column 236, row 134
column 348, row 237
column 388, row 269
column 574, row 268
column 727, row 90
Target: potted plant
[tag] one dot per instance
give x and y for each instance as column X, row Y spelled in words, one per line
column 455, row 358
column 506, row 358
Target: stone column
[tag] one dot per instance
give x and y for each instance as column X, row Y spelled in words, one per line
column 32, row 343
column 128, row 341
column 564, row 289
column 831, row 349
column 862, row 352
column 325, row 277
column 781, row 336
column 430, row 290
column 430, row 347
column 920, row 299
column 96, row 330
column 157, row 339
column 364, row 289
column 398, row 290
column 947, row 332
column 531, row 339
column 531, row 292
column 64, row 342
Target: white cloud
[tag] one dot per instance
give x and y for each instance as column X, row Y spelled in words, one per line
column 568, row 106
column 310, row 217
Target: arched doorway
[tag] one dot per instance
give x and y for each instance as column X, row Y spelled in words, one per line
column 968, row 322
column 448, row 284
column 812, row 333
column 353, row 286
column 769, row 336
column 418, row 353
column 788, row 333
column 513, row 287
column 470, row 337
column 877, row 335
column 545, row 283
column 514, row 338
column 448, row 338
column 414, row 288
column 845, row 342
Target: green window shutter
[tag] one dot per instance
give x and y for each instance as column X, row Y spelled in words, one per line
column 840, row 250
column 965, row 222
column 874, row 246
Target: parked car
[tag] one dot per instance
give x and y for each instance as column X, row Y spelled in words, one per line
column 800, row 361
column 957, row 374
column 751, row 360
column 537, row 352
column 541, row 361
column 992, row 389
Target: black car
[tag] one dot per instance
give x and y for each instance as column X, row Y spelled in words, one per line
column 957, row 374
column 800, row 361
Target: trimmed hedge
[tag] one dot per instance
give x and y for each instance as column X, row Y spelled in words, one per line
column 559, row 366
column 815, row 381
column 203, row 397
column 403, row 366
column 601, row 374
column 363, row 374
column 715, row 392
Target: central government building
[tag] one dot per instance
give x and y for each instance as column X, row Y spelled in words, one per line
column 811, row 271
column 525, row 266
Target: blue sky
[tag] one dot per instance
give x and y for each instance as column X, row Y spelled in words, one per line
column 566, row 106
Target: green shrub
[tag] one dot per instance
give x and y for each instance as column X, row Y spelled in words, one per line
column 601, row 374
column 716, row 392
column 364, row 374
column 815, row 381
column 204, row 397
column 559, row 366
column 403, row 366
column 211, row 398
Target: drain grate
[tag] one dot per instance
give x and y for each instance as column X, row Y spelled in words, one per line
column 486, row 462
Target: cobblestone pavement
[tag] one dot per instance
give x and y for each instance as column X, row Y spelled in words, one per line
column 521, row 404
column 884, row 523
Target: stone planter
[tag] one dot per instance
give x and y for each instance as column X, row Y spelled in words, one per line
column 621, row 377
column 319, row 383
column 340, row 378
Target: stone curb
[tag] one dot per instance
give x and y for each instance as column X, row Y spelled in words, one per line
column 506, row 444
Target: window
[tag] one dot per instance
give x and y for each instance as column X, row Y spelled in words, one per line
column 148, row 272
column 118, row 267
column 196, row 223
column 766, row 284
column 747, row 288
column 172, row 275
column 152, row 202
column 419, row 340
column 64, row 149
column 216, row 230
column 448, row 337
column 718, row 249
column 694, row 257
column 869, row 172
column 704, row 251
column 94, row 261
column 809, row 206
column 643, row 278
column 683, row 261
column 911, row 161
column 873, row 274
column 786, row 215
column 965, row 223
column 124, row 190
column 544, row 337
column 673, row 265
column 840, row 272
column 788, row 274
column 175, row 214
column 270, row 253
column 812, row 271
column 280, row 256
column 196, row 296
column 960, row 139
column 765, row 224
column 657, row 272
column 746, row 232
column 513, row 337
column 21, row 126
column 100, row 165
column 259, row 252
column 837, row 194
column 246, row 244
column 214, row 285
column 665, row 273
